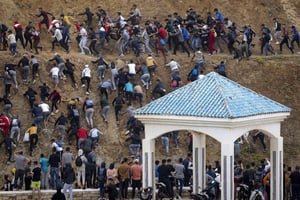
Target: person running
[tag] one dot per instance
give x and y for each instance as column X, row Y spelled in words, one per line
column 19, row 33
column 61, row 122
column 11, row 69
column 36, row 40
column 15, row 127
column 70, row 71
column 58, row 38
column 45, row 20
column 27, row 35
column 285, row 39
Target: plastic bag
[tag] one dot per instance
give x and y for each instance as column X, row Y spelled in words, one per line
column 26, row 137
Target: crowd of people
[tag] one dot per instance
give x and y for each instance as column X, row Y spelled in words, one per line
column 193, row 35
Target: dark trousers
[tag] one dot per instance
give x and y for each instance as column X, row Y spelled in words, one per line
column 88, row 80
column 35, row 68
column 92, row 47
column 7, row 89
column 135, row 184
column 33, row 141
column 19, row 175
column 177, row 44
column 71, row 74
column 118, row 108
column 124, row 188
column 287, row 42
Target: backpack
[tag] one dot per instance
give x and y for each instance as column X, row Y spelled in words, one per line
column 185, row 34
column 59, row 144
column 89, row 102
column 195, row 72
column 3, row 28
column 75, row 113
column 78, row 161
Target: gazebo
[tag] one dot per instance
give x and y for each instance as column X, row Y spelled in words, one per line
column 222, row 109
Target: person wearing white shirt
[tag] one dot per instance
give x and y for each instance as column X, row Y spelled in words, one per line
column 94, row 134
column 174, row 68
column 86, row 76
column 131, row 69
column 57, row 36
column 54, row 74
column 82, row 44
column 46, row 111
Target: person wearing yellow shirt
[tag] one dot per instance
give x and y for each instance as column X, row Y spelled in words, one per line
column 33, row 137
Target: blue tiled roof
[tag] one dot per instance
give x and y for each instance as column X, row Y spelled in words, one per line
column 213, row 96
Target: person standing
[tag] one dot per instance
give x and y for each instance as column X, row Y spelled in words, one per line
column 123, row 171
column 36, row 180
column 81, row 170
column 69, row 178
column 136, row 176
column 164, row 172
column 102, row 178
column 295, row 183
column 44, row 162
column 20, row 164
column 54, row 161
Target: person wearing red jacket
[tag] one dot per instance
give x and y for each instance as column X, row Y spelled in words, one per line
column 211, row 41
column 4, row 125
column 81, row 136
column 55, row 98
column 19, row 33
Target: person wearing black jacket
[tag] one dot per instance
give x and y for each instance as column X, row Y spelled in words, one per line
column 7, row 106
column 30, row 94
column 58, row 195
column 24, row 61
column 69, row 178
column 61, row 122
column 9, row 143
column 70, row 70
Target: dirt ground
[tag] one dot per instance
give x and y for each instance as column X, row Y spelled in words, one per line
column 276, row 77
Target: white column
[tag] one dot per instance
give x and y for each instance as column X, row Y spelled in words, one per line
column 276, row 158
column 227, row 160
column 199, row 162
column 148, row 163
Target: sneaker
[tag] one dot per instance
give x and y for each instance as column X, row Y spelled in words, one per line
column 87, row 93
column 127, row 132
column 82, row 53
column 17, row 87
column 76, row 86
column 122, row 55
column 57, row 111
column 33, row 81
column 277, row 42
column 82, row 85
